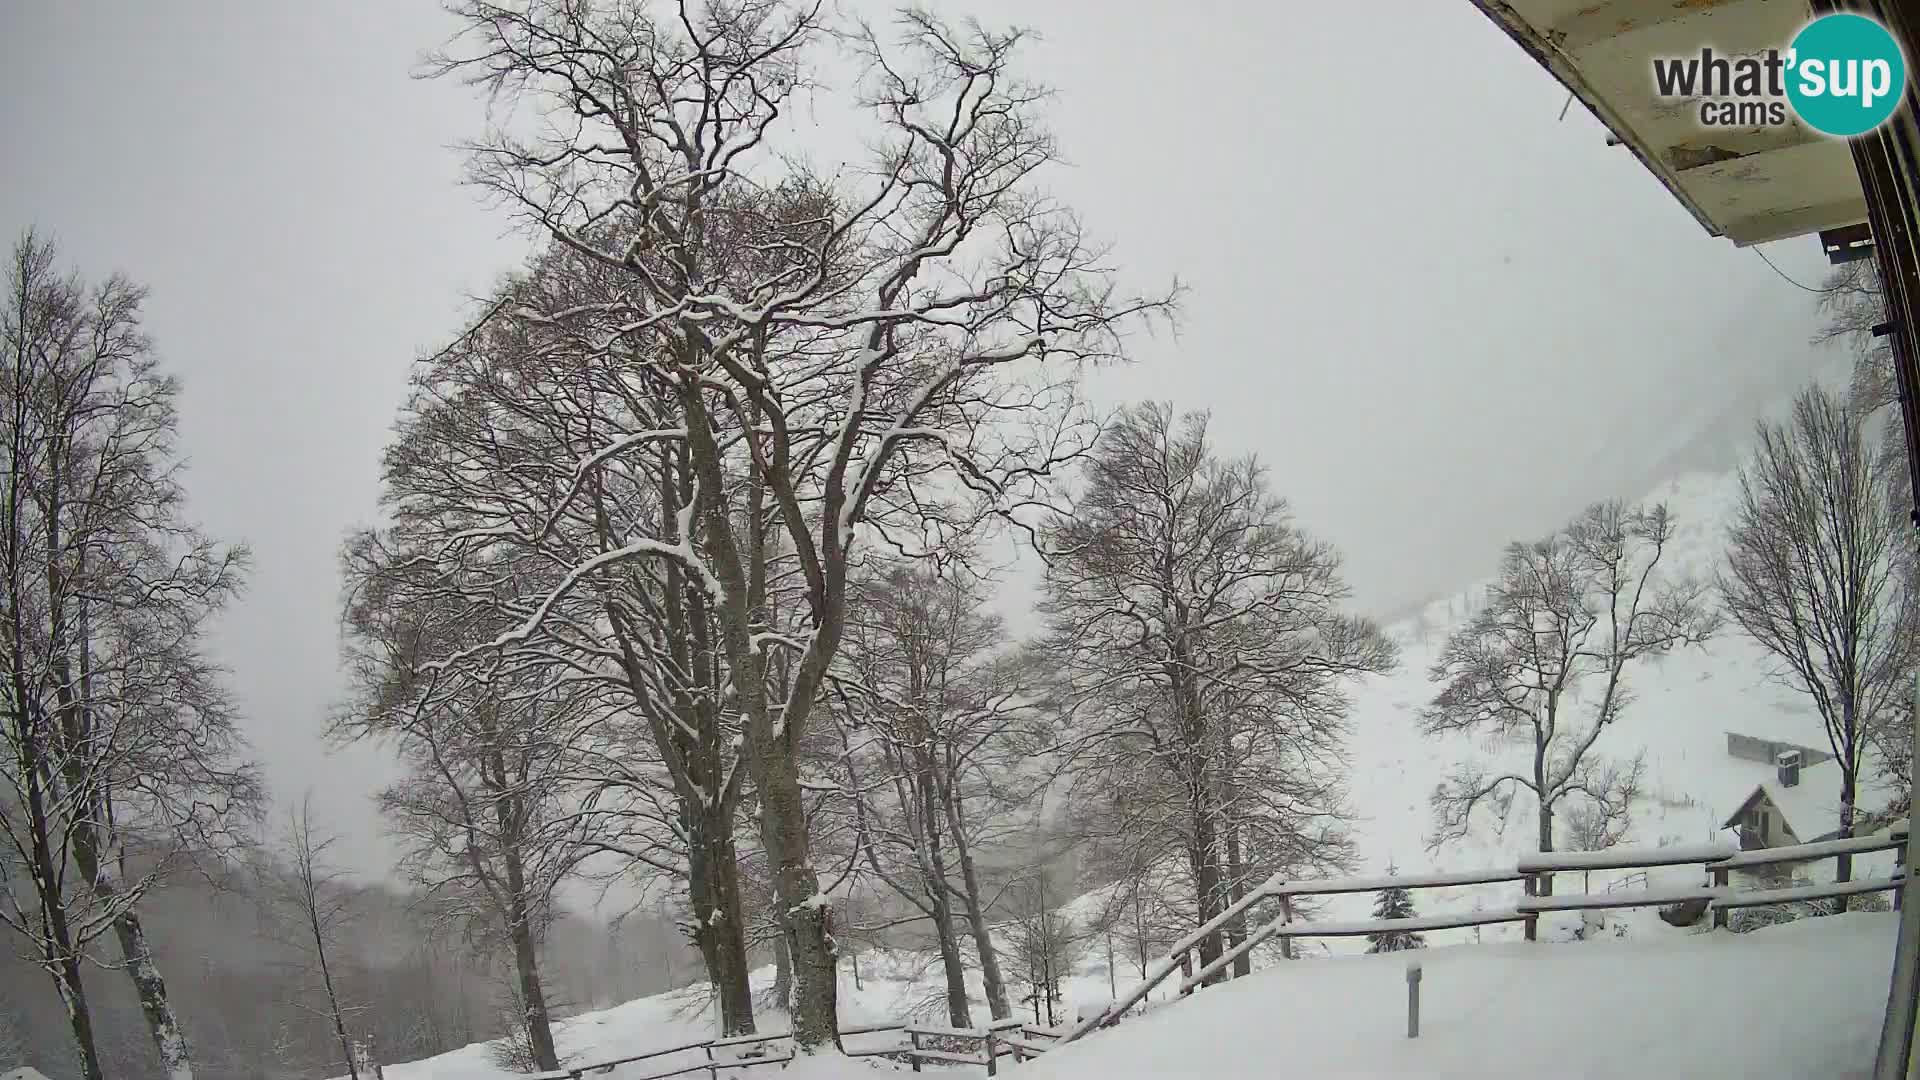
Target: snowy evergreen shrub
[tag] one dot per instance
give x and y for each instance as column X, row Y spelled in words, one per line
column 1394, row 902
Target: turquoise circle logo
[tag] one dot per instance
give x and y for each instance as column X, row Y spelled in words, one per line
column 1847, row 74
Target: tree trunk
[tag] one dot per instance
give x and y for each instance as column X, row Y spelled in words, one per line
column 526, row 962
column 333, row 999
column 58, row 955
column 1237, row 891
column 1206, row 880
column 90, row 858
column 939, row 895
column 713, row 883
column 1843, row 866
column 1199, row 778
column 1139, row 931
column 804, row 914
column 175, row 1061
column 79, row 1017
column 782, row 973
column 1113, row 984
column 1543, row 883
column 996, row 986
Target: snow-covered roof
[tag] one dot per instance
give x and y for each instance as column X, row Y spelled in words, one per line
column 1812, row 806
column 24, row 1072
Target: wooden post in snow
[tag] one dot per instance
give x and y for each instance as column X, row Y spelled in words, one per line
column 1413, row 999
column 1532, row 924
column 1719, row 913
column 1286, row 942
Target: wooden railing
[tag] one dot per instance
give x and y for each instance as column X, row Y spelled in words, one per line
column 1536, row 873
column 923, row 1043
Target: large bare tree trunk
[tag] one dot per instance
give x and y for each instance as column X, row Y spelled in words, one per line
column 162, row 1024
column 1206, row 880
column 1236, row 891
column 169, row 1041
column 714, row 884
column 804, row 914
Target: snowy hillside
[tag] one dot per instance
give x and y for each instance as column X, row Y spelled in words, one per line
column 1683, row 706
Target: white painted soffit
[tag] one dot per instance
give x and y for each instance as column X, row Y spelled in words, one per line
column 1750, row 185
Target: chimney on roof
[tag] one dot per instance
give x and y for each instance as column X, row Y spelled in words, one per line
column 1789, row 768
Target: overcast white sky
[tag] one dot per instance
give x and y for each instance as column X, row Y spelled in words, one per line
column 1443, row 316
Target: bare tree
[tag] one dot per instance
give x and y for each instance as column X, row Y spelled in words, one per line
column 1046, row 940
column 1813, row 576
column 1855, row 304
column 1202, row 631
column 488, row 803
column 844, row 349
column 311, row 903
column 121, row 745
column 938, row 717
column 506, row 427
column 1569, row 611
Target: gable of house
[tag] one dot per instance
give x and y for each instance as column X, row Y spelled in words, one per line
column 1809, row 811
column 1761, row 818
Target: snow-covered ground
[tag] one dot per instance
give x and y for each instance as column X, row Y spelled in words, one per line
column 1646, row 1000
column 1796, row 1001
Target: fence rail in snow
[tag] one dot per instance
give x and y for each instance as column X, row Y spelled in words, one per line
column 1536, row 872
column 1011, row 1037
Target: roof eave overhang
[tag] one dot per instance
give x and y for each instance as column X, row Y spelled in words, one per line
column 1774, row 185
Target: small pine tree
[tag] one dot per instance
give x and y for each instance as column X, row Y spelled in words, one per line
column 1394, row 902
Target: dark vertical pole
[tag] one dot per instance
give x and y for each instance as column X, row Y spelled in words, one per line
column 1719, row 913
column 1888, row 163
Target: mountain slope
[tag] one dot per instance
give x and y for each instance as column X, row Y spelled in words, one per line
column 1683, row 705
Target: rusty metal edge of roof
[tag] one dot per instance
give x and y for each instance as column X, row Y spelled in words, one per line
column 1560, row 67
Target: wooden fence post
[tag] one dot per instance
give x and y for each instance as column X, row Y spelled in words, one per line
column 712, row 1073
column 914, row 1054
column 1719, row 913
column 1531, row 925
column 992, row 1058
column 1899, row 872
column 1286, row 942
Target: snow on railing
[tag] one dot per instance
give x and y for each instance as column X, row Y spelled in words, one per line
column 1536, row 872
